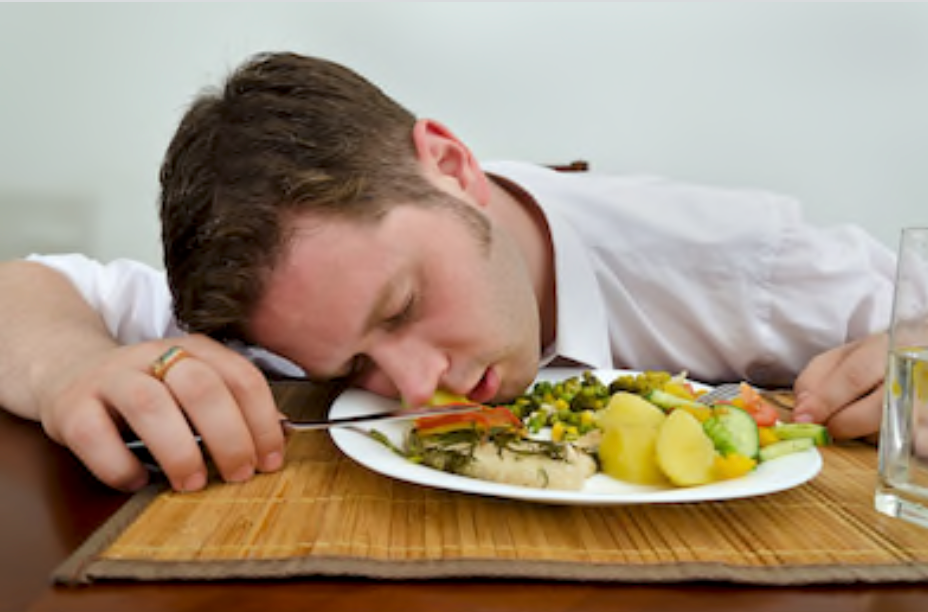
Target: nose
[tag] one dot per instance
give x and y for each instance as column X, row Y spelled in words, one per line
column 414, row 370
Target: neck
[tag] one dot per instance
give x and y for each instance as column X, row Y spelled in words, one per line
column 518, row 212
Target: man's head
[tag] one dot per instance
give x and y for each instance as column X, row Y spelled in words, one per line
column 305, row 211
column 286, row 135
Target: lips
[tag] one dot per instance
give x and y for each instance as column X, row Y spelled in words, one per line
column 487, row 388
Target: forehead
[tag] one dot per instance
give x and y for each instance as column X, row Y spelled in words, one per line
column 321, row 260
column 328, row 279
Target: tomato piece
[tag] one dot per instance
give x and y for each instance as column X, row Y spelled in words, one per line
column 764, row 413
column 500, row 416
column 483, row 419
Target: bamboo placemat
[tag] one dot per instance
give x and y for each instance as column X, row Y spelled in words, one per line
column 324, row 515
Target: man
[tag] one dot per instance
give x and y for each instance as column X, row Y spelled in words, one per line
column 312, row 224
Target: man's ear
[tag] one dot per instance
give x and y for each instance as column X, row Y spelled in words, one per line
column 448, row 162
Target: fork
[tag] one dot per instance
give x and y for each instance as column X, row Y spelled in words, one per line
column 729, row 391
column 721, row 393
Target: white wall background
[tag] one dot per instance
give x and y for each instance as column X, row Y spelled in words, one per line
column 824, row 101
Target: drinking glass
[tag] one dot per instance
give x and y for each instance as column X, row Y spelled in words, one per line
column 902, row 486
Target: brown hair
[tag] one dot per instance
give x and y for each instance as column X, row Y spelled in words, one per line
column 287, row 135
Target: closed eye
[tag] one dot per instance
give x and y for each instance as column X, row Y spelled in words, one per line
column 404, row 315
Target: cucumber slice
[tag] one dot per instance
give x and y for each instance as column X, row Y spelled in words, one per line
column 793, row 431
column 733, row 430
column 785, row 447
column 668, row 402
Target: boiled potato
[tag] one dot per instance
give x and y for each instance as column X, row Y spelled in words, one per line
column 684, row 452
column 630, row 426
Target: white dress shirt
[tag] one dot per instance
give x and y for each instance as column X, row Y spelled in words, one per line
column 723, row 284
column 651, row 274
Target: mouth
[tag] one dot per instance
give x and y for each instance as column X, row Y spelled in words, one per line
column 487, row 388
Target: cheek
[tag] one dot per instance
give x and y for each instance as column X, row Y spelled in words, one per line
column 490, row 298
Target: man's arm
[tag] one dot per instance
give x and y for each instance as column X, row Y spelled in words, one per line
column 41, row 312
column 61, row 366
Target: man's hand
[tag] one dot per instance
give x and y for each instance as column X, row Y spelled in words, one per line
column 213, row 391
column 843, row 388
column 60, row 365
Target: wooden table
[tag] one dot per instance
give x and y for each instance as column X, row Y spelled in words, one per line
column 49, row 505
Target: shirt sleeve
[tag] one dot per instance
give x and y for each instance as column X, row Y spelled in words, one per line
column 132, row 298
column 136, row 305
column 826, row 287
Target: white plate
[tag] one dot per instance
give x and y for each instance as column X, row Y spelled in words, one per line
column 777, row 475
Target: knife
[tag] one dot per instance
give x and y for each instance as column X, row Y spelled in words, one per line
column 393, row 415
column 140, row 449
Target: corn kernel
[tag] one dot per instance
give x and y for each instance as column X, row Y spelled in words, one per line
column 587, row 418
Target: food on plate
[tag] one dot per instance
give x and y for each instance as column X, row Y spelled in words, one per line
column 733, row 431
column 785, row 447
column 630, row 426
column 444, row 398
column 648, row 428
column 490, row 444
column 684, row 453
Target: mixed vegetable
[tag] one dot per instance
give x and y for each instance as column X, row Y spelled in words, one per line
column 646, row 428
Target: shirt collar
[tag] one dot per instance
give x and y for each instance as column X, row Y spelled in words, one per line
column 582, row 336
column 582, row 326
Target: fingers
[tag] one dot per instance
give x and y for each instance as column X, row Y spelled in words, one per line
column 89, row 432
column 209, row 390
column 212, row 411
column 151, row 410
column 844, row 380
column 89, row 428
column 858, row 419
column 231, row 405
